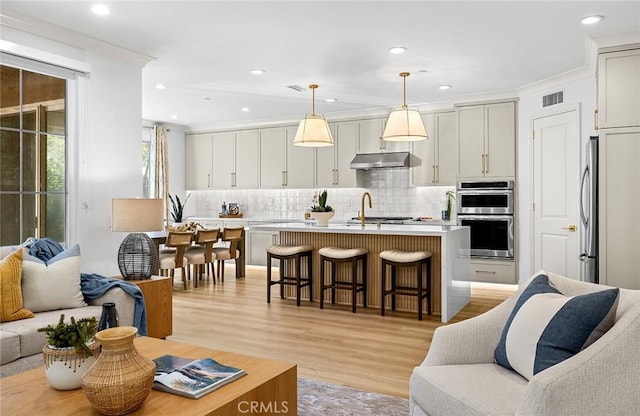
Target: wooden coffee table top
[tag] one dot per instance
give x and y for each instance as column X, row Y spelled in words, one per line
column 29, row 393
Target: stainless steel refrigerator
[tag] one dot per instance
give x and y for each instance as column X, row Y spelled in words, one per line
column 589, row 214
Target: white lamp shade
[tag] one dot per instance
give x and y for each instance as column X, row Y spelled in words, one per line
column 405, row 125
column 313, row 131
column 137, row 214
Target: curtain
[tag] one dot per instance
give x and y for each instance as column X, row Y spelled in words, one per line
column 161, row 177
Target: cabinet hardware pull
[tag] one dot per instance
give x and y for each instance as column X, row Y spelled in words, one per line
column 483, row 163
column 486, row 163
column 571, row 228
column 283, row 179
column 433, row 176
column 595, row 119
column 208, row 180
column 438, row 173
column 486, row 271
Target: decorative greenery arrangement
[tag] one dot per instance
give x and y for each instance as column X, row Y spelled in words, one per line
column 451, row 195
column 177, row 207
column 321, row 205
column 75, row 334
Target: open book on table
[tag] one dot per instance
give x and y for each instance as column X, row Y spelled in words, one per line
column 192, row 378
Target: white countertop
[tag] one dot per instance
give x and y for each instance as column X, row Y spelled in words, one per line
column 388, row 229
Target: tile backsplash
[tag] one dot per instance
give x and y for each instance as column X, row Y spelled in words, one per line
column 389, row 188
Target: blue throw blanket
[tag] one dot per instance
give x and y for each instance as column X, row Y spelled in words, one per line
column 45, row 249
column 93, row 286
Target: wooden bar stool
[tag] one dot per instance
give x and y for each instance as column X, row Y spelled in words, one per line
column 399, row 258
column 295, row 253
column 335, row 255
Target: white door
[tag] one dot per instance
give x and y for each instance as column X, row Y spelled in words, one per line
column 246, row 173
column 300, row 169
column 556, row 177
column 272, row 157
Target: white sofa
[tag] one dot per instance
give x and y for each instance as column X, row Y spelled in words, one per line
column 460, row 377
column 20, row 342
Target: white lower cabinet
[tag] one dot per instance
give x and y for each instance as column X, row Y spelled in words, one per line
column 493, row 271
column 257, row 243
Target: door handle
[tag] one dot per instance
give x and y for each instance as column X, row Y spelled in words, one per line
column 483, row 163
column 486, row 163
column 486, row 271
column 571, row 228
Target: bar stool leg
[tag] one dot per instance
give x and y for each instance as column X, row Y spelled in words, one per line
column 419, row 267
column 298, row 288
column 309, row 274
column 364, row 281
column 334, row 271
column 393, row 287
column 354, row 284
column 429, row 286
column 321, row 282
column 282, row 274
column 268, row 277
column 384, row 286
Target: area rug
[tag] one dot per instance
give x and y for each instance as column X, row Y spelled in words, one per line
column 318, row 398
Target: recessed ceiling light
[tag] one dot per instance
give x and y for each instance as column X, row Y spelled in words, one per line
column 331, row 100
column 207, row 98
column 160, row 86
column 100, row 9
column 245, row 109
column 257, row 71
column 444, row 87
column 424, row 70
column 589, row 20
column 397, row 49
column 173, row 116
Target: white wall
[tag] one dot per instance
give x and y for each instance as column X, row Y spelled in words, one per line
column 580, row 91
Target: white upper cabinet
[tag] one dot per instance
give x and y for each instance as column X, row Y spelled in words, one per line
column 246, row 161
column 619, row 89
column 332, row 162
column 199, row 161
column 370, row 138
column 300, row 167
column 223, row 160
column 273, row 164
column 486, row 140
column 437, row 155
column 235, row 160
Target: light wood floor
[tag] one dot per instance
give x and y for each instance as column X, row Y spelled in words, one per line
column 362, row 350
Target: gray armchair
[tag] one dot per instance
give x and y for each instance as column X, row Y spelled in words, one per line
column 459, row 375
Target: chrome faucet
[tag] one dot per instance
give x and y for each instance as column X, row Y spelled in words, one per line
column 362, row 207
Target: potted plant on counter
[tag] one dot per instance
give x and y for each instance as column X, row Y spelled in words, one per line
column 451, row 195
column 320, row 210
column 70, row 351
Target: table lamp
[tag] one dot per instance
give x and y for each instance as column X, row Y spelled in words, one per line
column 137, row 255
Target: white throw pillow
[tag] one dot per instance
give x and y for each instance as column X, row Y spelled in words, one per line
column 52, row 285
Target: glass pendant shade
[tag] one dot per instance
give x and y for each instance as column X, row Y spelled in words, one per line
column 404, row 125
column 313, row 130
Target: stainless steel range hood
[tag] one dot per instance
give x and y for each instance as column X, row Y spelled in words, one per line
column 380, row 160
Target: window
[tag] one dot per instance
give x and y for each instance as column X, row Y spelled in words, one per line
column 33, row 147
column 148, row 158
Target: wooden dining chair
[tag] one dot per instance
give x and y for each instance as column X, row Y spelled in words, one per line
column 201, row 253
column 231, row 237
column 173, row 256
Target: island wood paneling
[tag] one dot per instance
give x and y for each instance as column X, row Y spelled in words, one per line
column 374, row 243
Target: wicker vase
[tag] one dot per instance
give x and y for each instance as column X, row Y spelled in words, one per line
column 64, row 367
column 121, row 379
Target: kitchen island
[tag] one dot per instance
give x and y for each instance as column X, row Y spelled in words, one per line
column 449, row 246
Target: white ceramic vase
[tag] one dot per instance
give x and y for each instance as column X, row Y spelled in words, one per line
column 322, row 218
column 64, row 367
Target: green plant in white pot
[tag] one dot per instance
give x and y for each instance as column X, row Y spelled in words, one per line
column 177, row 209
column 321, row 211
column 70, row 351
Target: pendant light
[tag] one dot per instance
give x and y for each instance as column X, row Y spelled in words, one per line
column 313, row 130
column 404, row 125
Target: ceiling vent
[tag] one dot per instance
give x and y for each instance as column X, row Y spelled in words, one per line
column 553, row 99
column 296, row 88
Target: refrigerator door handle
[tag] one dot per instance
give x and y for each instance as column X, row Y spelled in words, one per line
column 585, row 220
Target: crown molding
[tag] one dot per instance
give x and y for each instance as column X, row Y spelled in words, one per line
column 70, row 38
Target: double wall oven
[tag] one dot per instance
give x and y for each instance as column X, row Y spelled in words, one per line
column 487, row 207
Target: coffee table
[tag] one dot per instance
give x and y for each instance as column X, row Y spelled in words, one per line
column 268, row 388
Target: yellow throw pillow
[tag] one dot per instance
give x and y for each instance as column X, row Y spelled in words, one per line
column 10, row 289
